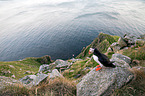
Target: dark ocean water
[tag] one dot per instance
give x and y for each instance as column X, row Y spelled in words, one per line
column 60, row 28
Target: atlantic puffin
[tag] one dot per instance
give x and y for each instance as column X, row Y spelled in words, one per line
column 101, row 59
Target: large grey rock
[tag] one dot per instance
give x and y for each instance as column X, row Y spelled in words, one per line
column 33, row 80
column 121, row 42
column 44, row 67
column 55, row 73
column 109, row 50
column 117, row 57
column 103, row 82
column 62, row 64
column 115, row 46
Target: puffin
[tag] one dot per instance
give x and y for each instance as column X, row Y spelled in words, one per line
column 101, row 59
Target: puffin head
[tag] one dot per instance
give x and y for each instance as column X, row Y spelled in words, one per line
column 91, row 50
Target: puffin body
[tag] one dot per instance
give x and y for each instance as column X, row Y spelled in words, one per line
column 102, row 59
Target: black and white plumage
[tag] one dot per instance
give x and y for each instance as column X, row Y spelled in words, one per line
column 100, row 58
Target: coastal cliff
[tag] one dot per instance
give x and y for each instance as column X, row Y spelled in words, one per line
column 77, row 75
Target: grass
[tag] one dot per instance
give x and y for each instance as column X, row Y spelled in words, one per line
column 14, row 90
column 134, row 88
column 135, row 53
column 102, row 42
column 56, row 87
column 79, row 68
column 20, row 67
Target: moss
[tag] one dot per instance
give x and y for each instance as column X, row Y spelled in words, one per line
column 102, row 42
column 111, row 39
column 110, row 54
column 135, row 53
column 103, row 46
column 20, row 67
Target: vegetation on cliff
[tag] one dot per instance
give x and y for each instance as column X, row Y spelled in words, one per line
column 66, row 86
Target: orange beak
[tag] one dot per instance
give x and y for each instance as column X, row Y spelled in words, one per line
column 89, row 52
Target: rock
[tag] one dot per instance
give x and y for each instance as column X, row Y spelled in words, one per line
column 103, row 82
column 109, row 50
column 71, row 71
column 121, row 57
column 121, row 42
column 11, row 66
column 5, row 72
column 77, row 76
column 115, row 46
column 142, row 36
column 13, row 76
column 44, row 60
column 44, row 67
column 86, row 68
column 74, row 60
column 7, row 81
column 28, row 72
column 55, row 73
column 62, row 64
column 130, row 39
column 33, row 80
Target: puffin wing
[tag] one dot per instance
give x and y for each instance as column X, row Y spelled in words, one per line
column 105, row 61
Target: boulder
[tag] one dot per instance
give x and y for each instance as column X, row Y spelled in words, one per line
column 104, row 81
column 115, row 46
column 130, row 39
column 109, row 50
column 118, row 57
column 11, row 66
column 13, row 76
column 44, row 67
column 62, row 64
column 121, row 42
column 33, row 80
column 55, row 73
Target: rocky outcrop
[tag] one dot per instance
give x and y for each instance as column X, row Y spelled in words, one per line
column 44, row 60
column 44, row 68
column 115, row 46
column 120, row 57
column 55, row 73
column 104, row 81
column 33, row 80
column 62, row 64
column 121, row 42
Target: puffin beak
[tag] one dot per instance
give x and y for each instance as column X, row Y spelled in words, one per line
column 89, row 52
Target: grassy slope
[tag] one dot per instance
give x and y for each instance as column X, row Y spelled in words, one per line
column 20, row 67
column 102, row 42
column 135, row 88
